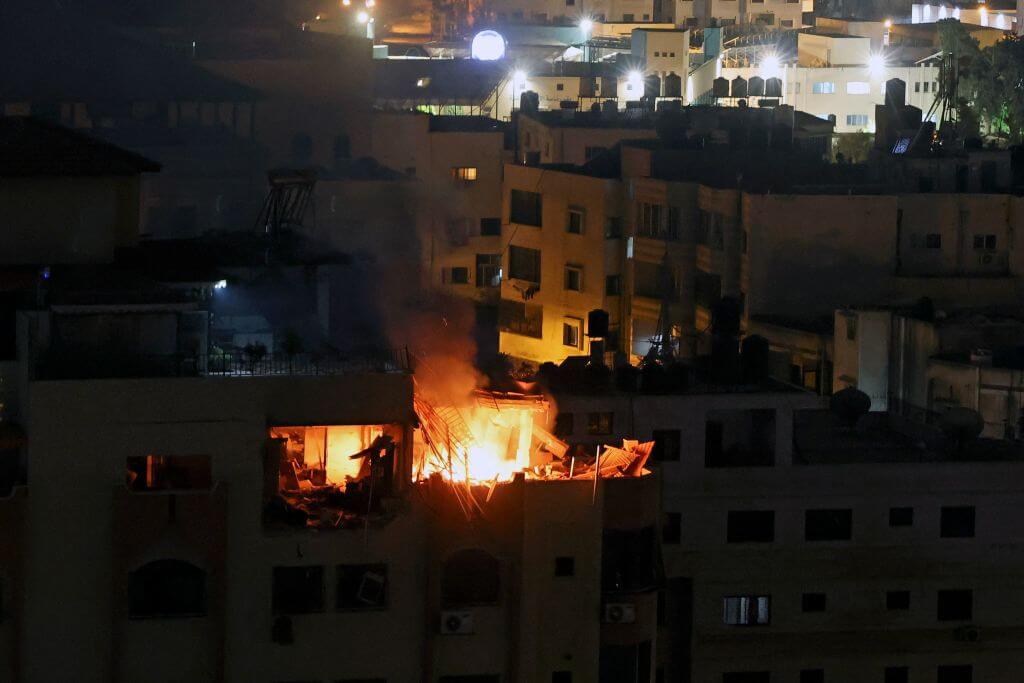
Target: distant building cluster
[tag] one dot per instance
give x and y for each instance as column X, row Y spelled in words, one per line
column 637, row 342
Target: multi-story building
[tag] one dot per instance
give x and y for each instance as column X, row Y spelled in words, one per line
column 833, row 76
column 800, row 548
column 786, row 14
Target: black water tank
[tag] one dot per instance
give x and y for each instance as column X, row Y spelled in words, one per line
column 597, row 323
column 720, row 87
column 755, row 86
column 739, row 87
column 773, row 87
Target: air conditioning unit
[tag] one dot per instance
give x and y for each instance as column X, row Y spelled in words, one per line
column 619, row 613
column 985, row 259
column 456, row 623
column 968, row 633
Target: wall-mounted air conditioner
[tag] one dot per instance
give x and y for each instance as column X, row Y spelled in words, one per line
column 456, row 623
column 619, row 613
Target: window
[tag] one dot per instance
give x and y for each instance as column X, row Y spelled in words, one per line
column 648, row 220
column 796, row 88
column 897, row 600
column 857, row 120
column 901, row 516
column 490, row 227
column 470, row 577
column 925, row 85
column 518, row 317
column 464, row 173
column 564, row 425
column 298, row 590
column 935, row 86
column 627, row 18
column 823, row 88
column 525, row 207
column 167, row 589
column 666, row 445
column 457, row 275
column 565, row 566
column 658, row 54
column 955, row 605
column 591, row 152
column 559, row 87
column 628, row 560
column 957, row 522
column 917, row 86
column 813, row 602
column 574, row 278
column 896, row 674
column 612, row 285
column 674, row 223
column 524, row 264
column 985, row 242
column 858, row 88
column 613, row 227
column 574, row 225
column 600, row 423
column 169, row 472
column 812, row 676
column 362, row 586
column 954, row 673
column 786, row 23
column 828, row 525
column 672, row 528
column 750, row 526
column 571, row 333
column 747, row 610
column 488, row 270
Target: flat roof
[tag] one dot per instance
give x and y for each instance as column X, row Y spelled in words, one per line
column 32, row 147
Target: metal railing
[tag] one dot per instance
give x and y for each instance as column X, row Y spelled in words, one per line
column 94, row 365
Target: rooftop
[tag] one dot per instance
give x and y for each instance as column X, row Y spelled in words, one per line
column 32, row 147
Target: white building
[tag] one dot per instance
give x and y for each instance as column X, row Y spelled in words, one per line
column 768, row 13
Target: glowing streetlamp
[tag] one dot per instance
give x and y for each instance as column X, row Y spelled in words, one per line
column 635, row 83
column 363, row 17
column 771, row 66
column 586, row 25
column 876, row 65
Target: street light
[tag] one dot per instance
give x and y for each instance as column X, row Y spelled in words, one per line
column 586, row 25
column 876, row 65
column 770, row 66
column 362, row 17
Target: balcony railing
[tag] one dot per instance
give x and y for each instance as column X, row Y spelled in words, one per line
column 93, row 365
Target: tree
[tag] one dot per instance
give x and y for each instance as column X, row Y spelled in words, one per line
column 854, row 147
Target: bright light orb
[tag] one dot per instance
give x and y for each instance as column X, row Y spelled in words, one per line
column 586, row 25
column 487, row 46
column 876, row 65
column 519, row 79
column 362, row 17
column 771, row 66
column 346, row 3
column 635, row 83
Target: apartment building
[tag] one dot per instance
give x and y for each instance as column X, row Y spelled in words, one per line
column 798, row 548
column 835, row 76
column 785, row 14
column 571, row 12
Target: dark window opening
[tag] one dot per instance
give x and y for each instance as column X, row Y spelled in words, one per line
column 362, row 586
column 488, row 270
column 525, row 208
column 628, row 560
column 490, row 227
column 828, row 525
column 565, row 566
column 298, row 590
column 564, row 425
column 955, row 673
column 747, row 610
column 957, row 522
column 613, row 285
column 672, row 528
column 813, row 602
column 955, row 605
column 167, row 589
column 901, row 516
column 667, row 444
column 459, row 275
column 750, row 526
column 897, row 674
column 897, row 600
column 747, row 677
column 471, row 577
column 600, row 423
column 524, row 264
column 740, row 438
column 812, row 676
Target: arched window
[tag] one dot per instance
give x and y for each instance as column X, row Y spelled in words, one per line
column 167, row 588
column 471, row 577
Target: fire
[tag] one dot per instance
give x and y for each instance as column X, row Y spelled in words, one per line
column 487, row 440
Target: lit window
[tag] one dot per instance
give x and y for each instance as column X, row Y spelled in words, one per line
column 858, row 88
column 464, row 173
column 857, row 120
column 747, row 610
column 823, row 88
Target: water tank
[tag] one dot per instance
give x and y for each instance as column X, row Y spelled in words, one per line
column 588, row 86
column 673, row 86
column 720, row 87
column 739, row 87
column 597, row 323
column 529, row 101
column 895, row 92
column 652, row 86
column 755, row 87
column 773, row 87
column 609, row 107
